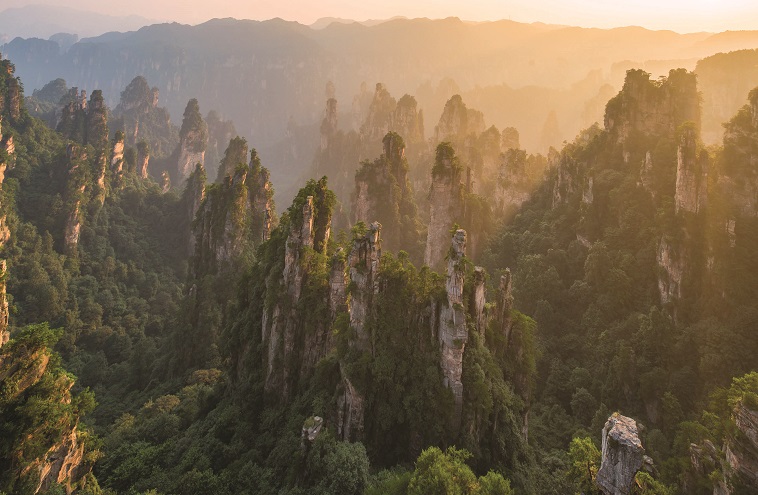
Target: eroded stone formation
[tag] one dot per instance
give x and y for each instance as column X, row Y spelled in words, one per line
column 446, row 203
column 513, row 186
column 651, row 108
column 288, row 355
column 193, row 140
column 452, row 332
column 363, row 263
column 622, row 456
column 6, row 144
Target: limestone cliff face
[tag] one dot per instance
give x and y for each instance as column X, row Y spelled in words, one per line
column 691, row 174
column 76, row 184
column 383, row 193
column 385, row 114
column 513, row 186
column 229, row 217
column 408, row 120
column 364, row 269
column 193, row 140
column 672, row 263
column 289, row 355
column 143, row 158
column 452, row 332
column 117, row 154
column 329, row 123
column 7, row 144
column 446, row 204
column 379, row 117
column 363, row 262
column 96, row 130
column 24, row 365
column 622, row 456
column 650, row 108
column 457, row 122
column 741, row 448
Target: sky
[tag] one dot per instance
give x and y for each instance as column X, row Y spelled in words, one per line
column 677, row 15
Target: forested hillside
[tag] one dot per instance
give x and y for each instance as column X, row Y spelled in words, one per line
column 452, row 315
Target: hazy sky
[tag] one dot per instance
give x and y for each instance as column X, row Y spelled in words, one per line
column 678, row 15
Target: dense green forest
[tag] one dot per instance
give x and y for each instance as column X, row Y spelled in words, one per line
column 190, row 340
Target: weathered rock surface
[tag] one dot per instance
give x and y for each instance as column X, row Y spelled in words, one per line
column 691, row 174
column 117, row 154
column 446, row 203
column 452, row 332
column 622, row 456
column 364, row 268
column 193, row 140
column 741, row 449
column 650, row 108
column 513, row 187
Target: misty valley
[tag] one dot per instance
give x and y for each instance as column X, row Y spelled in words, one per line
column 396, row 257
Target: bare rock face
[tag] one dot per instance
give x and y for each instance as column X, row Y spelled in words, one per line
column 117, row 153
column 350, row 412
column 741, row 449
column 193, row 140
column 364, row 268
column 446, row 203
column 672, row 264
column 338, row 283
column 74, row 197
column 653, row 108
column 478, row 299
column 189, row 157
column 452, row 333
column 622, row 456
column 457, row 121
column 329, row 124
column 13, row 97
column 691, row 174
column 289, row 355
column 62, row 464
column 143, row 158
column 379, row 119
column 513, row 183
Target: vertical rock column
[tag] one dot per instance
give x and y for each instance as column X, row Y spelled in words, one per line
column 622, row 456
column 7, row 143
column 453, row 333
column 363, row 261
column 445, row 203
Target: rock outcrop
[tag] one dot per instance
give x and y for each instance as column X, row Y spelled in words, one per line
column 143, row 158
column 193, row 140
column 288, row 355
column 117, row 154
column 691, row 174
column 452, row 332
column 231, row 216
column 385, row 115
column 364, row 269
column 513, row 185
column 383, row 193
column 74, row 197
column 457, row 122
column 741, row 448
column 446, row 203
column 622, row 456
column 653, row 107
column 329, row 123
column 24, row 363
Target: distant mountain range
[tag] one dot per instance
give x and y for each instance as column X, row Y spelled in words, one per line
column 268, row 76
column 44, row 21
